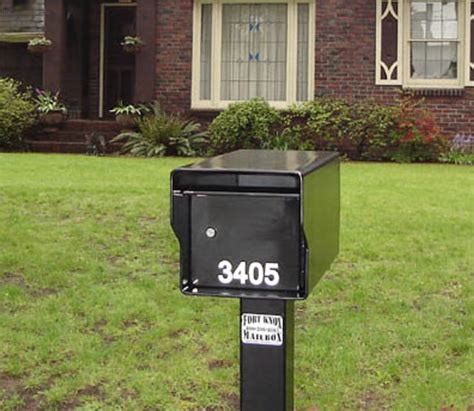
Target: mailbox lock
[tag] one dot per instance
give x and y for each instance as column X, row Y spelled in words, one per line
column 211, row 232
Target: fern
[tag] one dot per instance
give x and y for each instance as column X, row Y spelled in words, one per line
column 161, row 134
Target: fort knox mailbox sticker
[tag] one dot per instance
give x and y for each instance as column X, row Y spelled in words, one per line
column 262, row 329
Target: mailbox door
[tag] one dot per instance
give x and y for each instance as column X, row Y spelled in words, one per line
column 245, row 241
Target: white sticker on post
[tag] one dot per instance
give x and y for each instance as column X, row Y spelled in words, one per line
column 262, row 329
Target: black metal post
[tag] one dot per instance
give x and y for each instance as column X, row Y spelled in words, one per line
column 266, row 355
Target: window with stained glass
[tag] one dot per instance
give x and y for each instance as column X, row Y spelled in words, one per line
column 253, row 49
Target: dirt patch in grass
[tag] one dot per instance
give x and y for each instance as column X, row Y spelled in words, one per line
column 13, row 279
column 43, row 292
column 232, row 400
column 10, row 383
column 19, row 281
column 178, row 333
column 13, row 385
column 372, row 400
column 89, row 391
column 215, row 363
column 137, row 323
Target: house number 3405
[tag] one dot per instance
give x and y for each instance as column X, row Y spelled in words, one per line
column 255, row 273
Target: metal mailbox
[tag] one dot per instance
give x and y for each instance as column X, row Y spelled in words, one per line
column 262, row 226
column 257, row 223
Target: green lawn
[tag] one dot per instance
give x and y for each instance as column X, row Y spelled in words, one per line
column 91, row 316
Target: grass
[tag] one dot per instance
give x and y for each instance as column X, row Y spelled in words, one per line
column 91, row 317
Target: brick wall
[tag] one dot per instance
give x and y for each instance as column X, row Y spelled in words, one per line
column 345, row 61
column 27, row 18
column 174, row 54
column 16, row 62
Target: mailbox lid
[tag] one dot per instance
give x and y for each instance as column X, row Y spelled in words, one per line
column 272, row 161
column 251, row 170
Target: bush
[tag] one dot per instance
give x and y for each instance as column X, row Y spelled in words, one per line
column 364, row 130
column 367, row 130
column 162, row 134
column 17, row 113
column 360, row 130
column 416, row 136
column 461, row 151
column 244, row 125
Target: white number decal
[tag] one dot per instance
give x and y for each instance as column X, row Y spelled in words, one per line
column 257, row 273
column 240, row 273
column 272, row 278
column 226, row 277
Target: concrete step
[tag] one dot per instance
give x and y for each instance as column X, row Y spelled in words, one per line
column 70, row 136
column 65, row 147
column 90, row 126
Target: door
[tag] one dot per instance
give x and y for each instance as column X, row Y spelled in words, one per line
column 254, row 236
column 117, row 66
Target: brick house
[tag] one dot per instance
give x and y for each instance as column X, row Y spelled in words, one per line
column 200, row 55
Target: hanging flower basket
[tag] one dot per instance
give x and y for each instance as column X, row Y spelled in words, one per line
column 132, row 48
column 39, row 45
column 132, row 44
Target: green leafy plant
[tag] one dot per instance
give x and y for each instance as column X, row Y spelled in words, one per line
column 132, row 41
column 16, row 113
column 129, row 109
column 461, row 151
column 132, row 44
column 364, row 130
column 162, row 134
column 47, row 102
column 416, row 136
column 39, row 45
column 289, row 139
column 456, row 157
column 249, row 124
column 361, row 129
column 40, row 41
column 367, row 130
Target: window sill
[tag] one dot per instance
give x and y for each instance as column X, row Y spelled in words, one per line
column 435, row 92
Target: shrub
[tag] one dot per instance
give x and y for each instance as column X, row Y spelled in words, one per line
column 359, row 129
column 364, row 130
column 289, row 139
column 162, row 134
column 368, row 130
column 461, row 151
column 416, row 136
column 244, row 125
column 17, row 113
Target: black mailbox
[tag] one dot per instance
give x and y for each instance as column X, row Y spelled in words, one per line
column 257, row 223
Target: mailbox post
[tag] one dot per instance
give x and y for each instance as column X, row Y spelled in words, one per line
column 262, row 226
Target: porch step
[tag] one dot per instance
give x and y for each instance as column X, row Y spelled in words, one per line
column 89, row 126
column 70, row 137
column 65, row 147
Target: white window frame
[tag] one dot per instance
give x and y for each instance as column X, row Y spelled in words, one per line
column 215, row 103
column 409, row 82
column 404, row 22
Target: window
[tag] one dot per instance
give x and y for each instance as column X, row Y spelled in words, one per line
column 424, row 43
column 434, row 42
column 244, row 50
